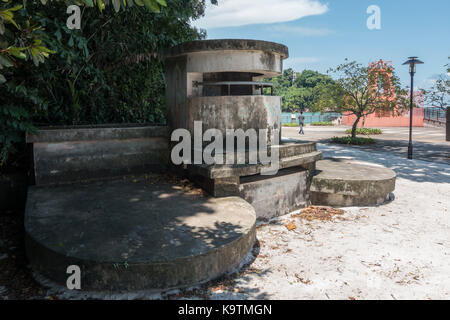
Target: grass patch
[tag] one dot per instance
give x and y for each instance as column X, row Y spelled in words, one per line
column 354, row 141
column 322, row 123
column 365, row 131
column 292, row 124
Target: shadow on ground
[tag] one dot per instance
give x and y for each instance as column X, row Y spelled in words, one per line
column 414, row 170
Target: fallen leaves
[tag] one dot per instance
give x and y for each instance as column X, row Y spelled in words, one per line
column 318, row 213
column 290, row 226
column 303, row 280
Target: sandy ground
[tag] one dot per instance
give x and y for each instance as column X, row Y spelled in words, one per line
column 400, row 250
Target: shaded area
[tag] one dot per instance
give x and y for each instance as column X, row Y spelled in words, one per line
column 16, row 281
column 138, row 233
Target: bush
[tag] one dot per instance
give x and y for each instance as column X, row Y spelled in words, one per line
column 322, row 123
column 291, row 124
column 353, row 141
column 365, row 131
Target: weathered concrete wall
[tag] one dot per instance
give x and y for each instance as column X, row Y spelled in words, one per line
column 198, row 60
column 270, row 64
column 234, row 112
column 277, row 195
column 63, row 155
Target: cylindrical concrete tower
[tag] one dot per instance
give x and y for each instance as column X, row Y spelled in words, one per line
column 220, row 82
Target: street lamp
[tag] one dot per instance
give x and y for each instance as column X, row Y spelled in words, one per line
column 412, row 61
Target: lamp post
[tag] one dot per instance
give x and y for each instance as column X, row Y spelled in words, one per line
column 412, row 61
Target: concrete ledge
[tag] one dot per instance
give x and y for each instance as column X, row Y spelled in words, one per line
column 291, row 154
column 66, row 155
column 227, row 44
column 341, row 183
column 129, row 235
column 106, row 132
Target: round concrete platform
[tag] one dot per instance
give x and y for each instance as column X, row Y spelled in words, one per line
column 343, row 183
column 130, row 235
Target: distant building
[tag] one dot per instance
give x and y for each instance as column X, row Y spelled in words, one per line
column 388, row 119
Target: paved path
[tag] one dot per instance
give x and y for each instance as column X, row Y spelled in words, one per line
column 428, row 143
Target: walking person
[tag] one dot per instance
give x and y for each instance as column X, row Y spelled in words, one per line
column 301, row 122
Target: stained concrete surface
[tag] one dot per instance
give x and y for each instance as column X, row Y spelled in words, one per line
column 133, row 234
column 342, row 183
column 277, row 195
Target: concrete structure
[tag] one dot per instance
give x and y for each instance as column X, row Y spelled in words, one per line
column 125, row 234
column 129, row 235
column 148, row 232
column 220, row 83
column 341, row 183
column 70, row 154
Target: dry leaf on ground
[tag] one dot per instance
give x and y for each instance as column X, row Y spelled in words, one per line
column 318, row 213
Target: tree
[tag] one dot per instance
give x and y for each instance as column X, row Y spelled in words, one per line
column 301, row 93
column 359, row 92
column 19, row 38
column 106, row 72
column 439, row 94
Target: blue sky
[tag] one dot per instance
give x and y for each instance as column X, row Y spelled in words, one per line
column 321, row 34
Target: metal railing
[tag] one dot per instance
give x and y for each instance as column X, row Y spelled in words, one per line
column 310, row 117
column 435, row 115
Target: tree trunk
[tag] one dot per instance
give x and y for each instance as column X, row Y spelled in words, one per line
column 355, row 125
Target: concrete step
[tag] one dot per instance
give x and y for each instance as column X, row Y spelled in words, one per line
column 344, row 183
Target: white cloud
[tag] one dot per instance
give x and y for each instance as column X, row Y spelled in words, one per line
column 297, row 63
column 234, row 13
column 301, row 31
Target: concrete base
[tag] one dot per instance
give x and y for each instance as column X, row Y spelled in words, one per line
column 270, row 195
column 129, row 235
column 277, row 195
column 340, row 183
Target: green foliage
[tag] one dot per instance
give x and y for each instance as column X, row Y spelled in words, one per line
column 291, row 124
column 109, row 71
column 365, row 131
column 352, row 140
column 301, row 93
column 322, row 123
column 19, row 39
